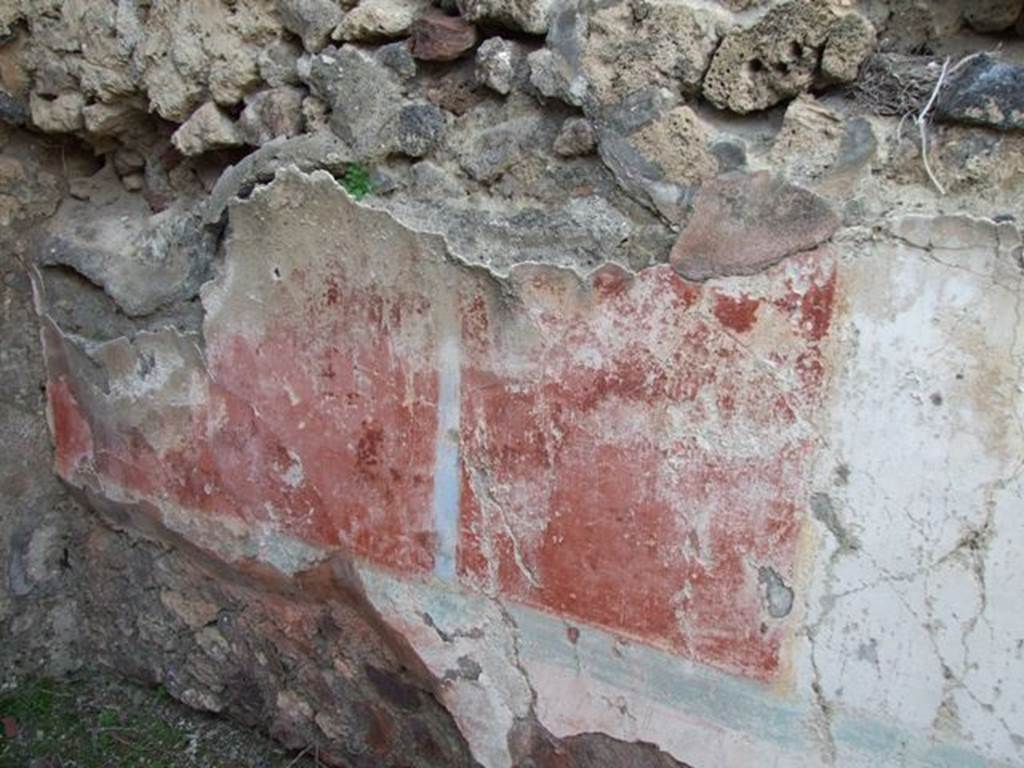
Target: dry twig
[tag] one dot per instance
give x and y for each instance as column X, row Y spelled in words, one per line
column 921, row 120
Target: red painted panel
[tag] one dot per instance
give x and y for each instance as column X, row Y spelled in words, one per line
column 632, row 447
column 635, row 465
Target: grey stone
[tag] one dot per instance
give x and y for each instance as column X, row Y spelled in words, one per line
column 993, row 15
column 364, row 95
column 553, row 79
column 858, row 146
column 208, row 128
column 62, row 114
column 397, row 58
column 373, row 21
column 641, row 178
column 12, row 110
column 312, row 20
column 276, row 63
column 142, row 262
column 501, row 65
column 576, row 138
column 524, row 15
column 656, row 148
column 778, row 597
column 985, row 92
column 420, row 127
column 489, row 152
column 731, row 155
column 272, row 113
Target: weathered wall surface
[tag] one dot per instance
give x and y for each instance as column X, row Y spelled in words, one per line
column 545, row 384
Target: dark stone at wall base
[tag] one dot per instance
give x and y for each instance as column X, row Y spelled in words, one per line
column 540, row 749
column 306, row 657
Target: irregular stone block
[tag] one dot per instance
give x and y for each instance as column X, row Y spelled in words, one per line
column 677, row 141
column 993, row 15
column 142, row 262
column 501, row 65
column 628, row 47
column 115, row 118
column 780, row 55
column 375, row 20
column 850, row 41
column 12, row 110
column 312, row 20
column 62, row 114
column 985, row 92
column 207, row 129
column 271, row 114
column 657, row 149
column 745, row 223
column 420, row 127
column 524, row 15
column 365, row 97
column 575, row 138
column 436, row 37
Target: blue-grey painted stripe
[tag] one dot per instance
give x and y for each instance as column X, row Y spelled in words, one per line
column 722, row 700
column 447, row 480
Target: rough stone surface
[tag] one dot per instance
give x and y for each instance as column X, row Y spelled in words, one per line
column 60, row 114
column 378, row 20
column 743, row 223
column 420, row 127
column 779, row 56
column 207, row 129
column 365, row 98
column 524, row 15
column 12, row 110
column 141, row 261
column 501, row 65
column 436, row 37
column 985, row 92
column 850, row 41
column 629, row 46
column 309, row 660
column 271, row 114
column 993, row 15
column 312, row 20
column 575, row 138
column 116, row 118
column 678, row 142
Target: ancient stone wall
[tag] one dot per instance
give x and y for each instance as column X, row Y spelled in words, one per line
column 522, row 382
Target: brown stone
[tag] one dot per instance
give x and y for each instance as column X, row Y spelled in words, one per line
column 744, row 223
column 436, row 37
column 456, row 92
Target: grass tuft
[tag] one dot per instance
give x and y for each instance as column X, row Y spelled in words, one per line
column 97, row 722
column 357, row 182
